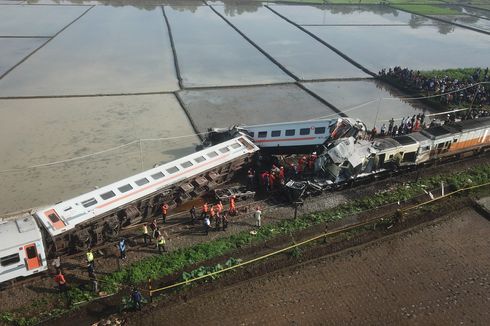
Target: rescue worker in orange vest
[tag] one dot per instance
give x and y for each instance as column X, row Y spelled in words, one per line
column 232, row 210
column 219, row 207
column 272, row 180
column 164, row 212
column 301, row 163
column 281, row 175
column 204, row 211
column 60, row 280
column 212, row 214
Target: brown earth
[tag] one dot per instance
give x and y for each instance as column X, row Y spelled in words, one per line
column 433, row 274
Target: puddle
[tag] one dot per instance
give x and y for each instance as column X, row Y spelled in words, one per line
column 211, row 53
column 37, row 20
column 13, row 50
column 297, row 51
column 423, row 47
column 349, row 97
column 108, row 51
column 343, row 15
column 49, row 130
column 251, row 105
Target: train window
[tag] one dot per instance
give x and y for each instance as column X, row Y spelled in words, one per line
column 187, row 164
column 200, row 159
column 440, row 145
column 53, row 218
column 141, row 182
column 320, row 130
column 31, row 252
column 157, row 176
column 262, row 134
column 107, row 195
column 455, row 141
column 304, row 131
column 275, row 133
column 235, row 146
column 212, row 154
column 251, row 133
column 290, row 132
column 9, row 260
column 67, row 209
column 224, row 149
column 89, row 202
column 125, row 188
column 173, row 169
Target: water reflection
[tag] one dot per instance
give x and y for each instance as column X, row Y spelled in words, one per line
column 298, row 52
column 140, row 4
column 343, row 14
column 13, row 50
column 423, row 48
column 251, row 105
column 366, row 100
column 108, row 51
column 211, row 53
column 18, row 20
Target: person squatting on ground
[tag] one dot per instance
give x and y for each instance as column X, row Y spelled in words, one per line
column 122, row 248
column 61, row 282
column 207, row 225
column 258, row 217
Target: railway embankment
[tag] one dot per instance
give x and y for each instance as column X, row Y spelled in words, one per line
column 385, row 199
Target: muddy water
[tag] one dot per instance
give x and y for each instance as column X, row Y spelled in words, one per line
column 298, row 52
column 108, row 51
column 211, row 53
column 36, row 20
column 424, row 47
column 13, row 50
column 343, row 15
column 361, row 100
column 251, row 105
column 49, row 130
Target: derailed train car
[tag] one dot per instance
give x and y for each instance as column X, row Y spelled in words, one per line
column 97, row 216
column 347, row 159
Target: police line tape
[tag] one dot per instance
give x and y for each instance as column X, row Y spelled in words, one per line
column 323, row 235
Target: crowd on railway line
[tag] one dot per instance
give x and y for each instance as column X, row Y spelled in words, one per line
column 470, row 91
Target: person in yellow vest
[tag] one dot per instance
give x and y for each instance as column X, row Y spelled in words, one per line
column 90, row 258
column 145, row 234
column 161, row 244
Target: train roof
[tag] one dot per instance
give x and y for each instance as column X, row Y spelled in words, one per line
column 418, row 136
column 290, row 124
column 405, row 140
column 461, row 126
column 473, row 124
column 386, row 143
column 67, row 214
column 18, row 232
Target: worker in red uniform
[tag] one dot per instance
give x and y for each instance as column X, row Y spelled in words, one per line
column 164, row 212
column 219, row 208
column 232, row 205
column 212, row 214
column 272, row 180
column 60, row 280
column 204, row 210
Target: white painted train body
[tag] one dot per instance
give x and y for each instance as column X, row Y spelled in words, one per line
column 21, row 249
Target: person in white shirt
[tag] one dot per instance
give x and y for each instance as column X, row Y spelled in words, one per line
column 258, row 216
column 207, row 224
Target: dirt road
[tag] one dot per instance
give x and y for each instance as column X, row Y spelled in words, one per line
column 437, row 274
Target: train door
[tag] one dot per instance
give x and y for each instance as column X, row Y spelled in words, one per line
column 32, row 259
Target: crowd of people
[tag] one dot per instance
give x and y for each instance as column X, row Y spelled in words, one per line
column 467, row 91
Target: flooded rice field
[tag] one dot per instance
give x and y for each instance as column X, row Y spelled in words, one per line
column 52, row 130
column 251, row 105
column 424, row 47
column 374, row 103
column 65, row 66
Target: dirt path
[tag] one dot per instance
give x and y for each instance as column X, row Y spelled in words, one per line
column 438, row 274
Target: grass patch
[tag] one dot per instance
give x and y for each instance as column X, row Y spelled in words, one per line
column 427, row 9
column 460, row 73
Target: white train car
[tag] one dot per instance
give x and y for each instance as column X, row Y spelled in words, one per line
column 212, row 162
column 21, row 249
column 301, row 136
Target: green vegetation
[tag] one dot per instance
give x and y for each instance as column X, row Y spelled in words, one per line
column 461, row 73
column 426, row 9
column 205, row 270
column 159, row 266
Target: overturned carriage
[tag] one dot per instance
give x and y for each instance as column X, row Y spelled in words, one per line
column 97, row 216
